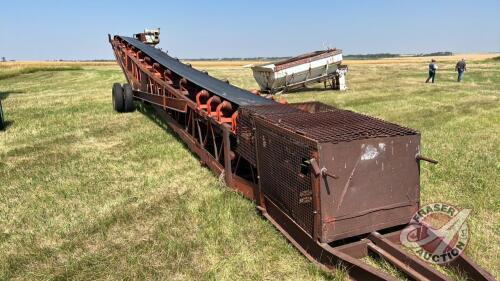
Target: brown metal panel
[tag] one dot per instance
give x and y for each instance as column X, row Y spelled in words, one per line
column 357, row 249
column 377, row 185
column 176, row 104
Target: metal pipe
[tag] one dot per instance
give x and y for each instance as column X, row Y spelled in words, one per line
column 420, row 157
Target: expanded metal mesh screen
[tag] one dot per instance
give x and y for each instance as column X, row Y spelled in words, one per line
column 245, row 135
column 283, row 161
column 339, row 126
column 313, row 107
column 325, row 123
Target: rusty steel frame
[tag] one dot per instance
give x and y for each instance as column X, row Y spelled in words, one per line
column 210, row 136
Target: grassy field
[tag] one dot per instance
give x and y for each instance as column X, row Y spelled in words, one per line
column 86, row 193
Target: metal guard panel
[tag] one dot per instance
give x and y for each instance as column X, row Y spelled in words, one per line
column 216, row 86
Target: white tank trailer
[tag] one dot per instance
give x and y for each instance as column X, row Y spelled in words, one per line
column 298, row 72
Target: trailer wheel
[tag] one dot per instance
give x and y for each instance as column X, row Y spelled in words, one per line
column 128, row 95
column 2, row 120
column 117, row 96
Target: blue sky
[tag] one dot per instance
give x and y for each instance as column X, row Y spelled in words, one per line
column 37, row 30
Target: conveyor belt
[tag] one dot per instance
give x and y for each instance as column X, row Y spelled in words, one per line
column 287, row 171
column 216, row 86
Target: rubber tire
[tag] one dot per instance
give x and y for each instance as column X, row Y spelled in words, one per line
column 128, row 95
column 117, row 97
column 2, row 120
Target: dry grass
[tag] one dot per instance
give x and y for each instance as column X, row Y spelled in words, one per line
column 22, row 64
column 439, row 59
column 455, row 58
column 86, row 193
column 221, row 64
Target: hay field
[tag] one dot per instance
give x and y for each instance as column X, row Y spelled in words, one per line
column 86, row 193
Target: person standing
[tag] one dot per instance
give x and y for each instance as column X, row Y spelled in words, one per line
column 461, row 67
column 432, row 71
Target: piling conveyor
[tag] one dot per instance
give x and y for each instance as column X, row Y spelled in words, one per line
column 337, row 184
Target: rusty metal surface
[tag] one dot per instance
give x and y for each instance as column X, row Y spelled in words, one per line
column 325, row 175
column 463, row 265
column 222, row 89
column 410, row 264
column 339, row 126
column 324, row 255
column 309, row 57
column 298, row 60
column 328, row 124
column 245, row 127
column 369, row 175
column 313, row 106
column 175, row 104
column 377, row 184
column 245, row 137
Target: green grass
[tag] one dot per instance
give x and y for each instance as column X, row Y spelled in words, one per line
column 86, row 193
column 4, row 74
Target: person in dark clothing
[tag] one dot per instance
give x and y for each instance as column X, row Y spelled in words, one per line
column 432, row 71
column 461, row 67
